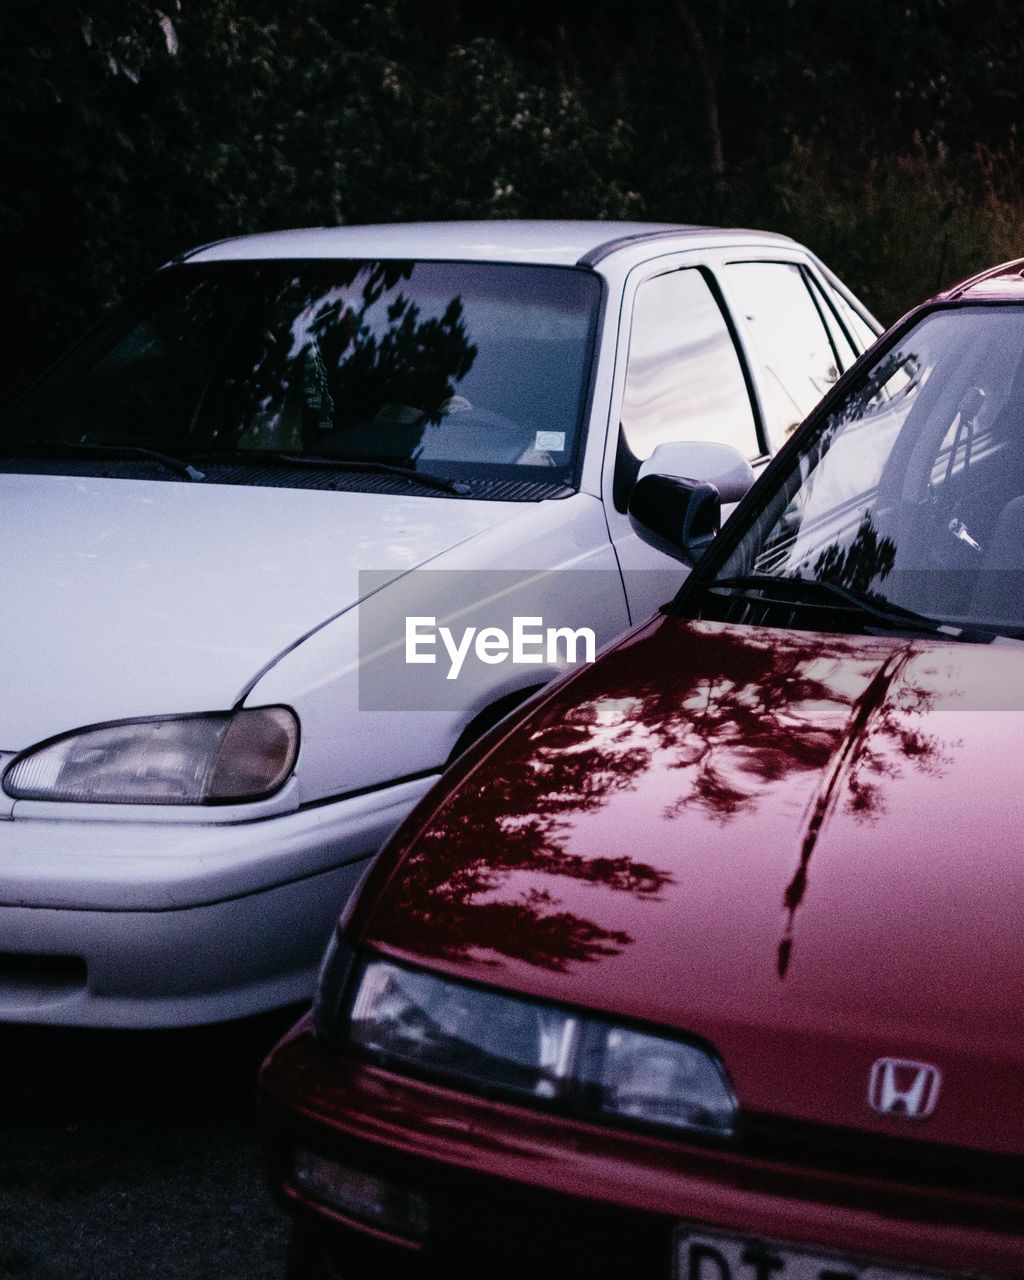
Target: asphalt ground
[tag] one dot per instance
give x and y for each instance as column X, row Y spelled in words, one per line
column 126, row 1155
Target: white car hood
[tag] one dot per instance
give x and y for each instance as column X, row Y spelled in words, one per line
column 126, row 598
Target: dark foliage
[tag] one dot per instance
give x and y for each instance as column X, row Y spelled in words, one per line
column 882, row 135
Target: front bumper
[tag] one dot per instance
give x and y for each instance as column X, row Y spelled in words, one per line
column 146, row 924
column 514, row 1191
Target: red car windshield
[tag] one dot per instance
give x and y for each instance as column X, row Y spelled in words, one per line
column 909, row 495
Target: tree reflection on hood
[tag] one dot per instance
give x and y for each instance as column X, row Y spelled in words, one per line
column 750, row 710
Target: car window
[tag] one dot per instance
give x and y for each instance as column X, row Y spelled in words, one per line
column 475, row 369
column 144, row 377
column 789, row 339
column 684, row 379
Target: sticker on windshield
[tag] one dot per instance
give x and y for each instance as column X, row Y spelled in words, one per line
column 550, row 441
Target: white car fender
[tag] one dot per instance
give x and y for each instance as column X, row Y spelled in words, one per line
column 553, row 561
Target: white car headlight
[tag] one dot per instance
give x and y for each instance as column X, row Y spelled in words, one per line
column 489, row 1041
column 195, row 759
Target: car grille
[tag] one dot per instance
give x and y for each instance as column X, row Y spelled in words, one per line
column 994, row 1183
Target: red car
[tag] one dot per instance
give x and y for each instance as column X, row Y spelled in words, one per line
column 711, row 964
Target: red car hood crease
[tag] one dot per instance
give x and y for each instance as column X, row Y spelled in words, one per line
column 802, row 847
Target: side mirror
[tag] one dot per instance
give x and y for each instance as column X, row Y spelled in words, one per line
column 718, row 464
column 676, row 516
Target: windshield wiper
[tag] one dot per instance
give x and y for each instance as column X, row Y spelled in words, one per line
column 797, row 590
column 86, row 449
column 323, row 461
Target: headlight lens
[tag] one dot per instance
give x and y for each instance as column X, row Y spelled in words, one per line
column 411, row 1017
column 198, row 759
column 405, row 1018
column 659, row 1081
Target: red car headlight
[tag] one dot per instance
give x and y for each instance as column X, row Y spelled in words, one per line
column 488, row 1041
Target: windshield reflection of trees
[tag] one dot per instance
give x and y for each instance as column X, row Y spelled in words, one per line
column 758, row 709
column 895, row 376
column 339, row 360
column 867, row 557
column 349, row 367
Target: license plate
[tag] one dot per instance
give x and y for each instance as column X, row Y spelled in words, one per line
column 700, row 1256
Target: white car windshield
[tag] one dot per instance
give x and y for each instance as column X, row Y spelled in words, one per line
column 908, row 497
column 470, row 370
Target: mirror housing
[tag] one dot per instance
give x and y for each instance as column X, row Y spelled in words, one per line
column 718, row 464
column 676, row 516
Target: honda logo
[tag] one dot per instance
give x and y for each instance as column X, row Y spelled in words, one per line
column 899, row 1087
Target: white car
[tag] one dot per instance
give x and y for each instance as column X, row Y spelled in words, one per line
column 443, row 419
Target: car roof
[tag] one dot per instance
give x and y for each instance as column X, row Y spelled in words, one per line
column 563, row 243
column 1004, row 282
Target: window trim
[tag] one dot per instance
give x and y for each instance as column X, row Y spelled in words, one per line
column 822, row 304
column 833, row 282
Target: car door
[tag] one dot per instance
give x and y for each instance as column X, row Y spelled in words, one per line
column 681, row 376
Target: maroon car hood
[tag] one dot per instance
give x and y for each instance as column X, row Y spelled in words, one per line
column 805, row 848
